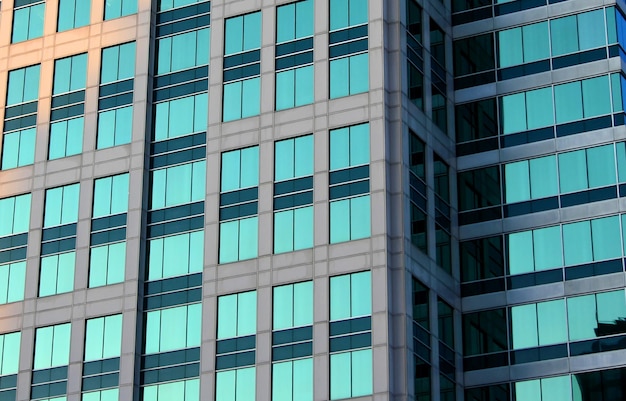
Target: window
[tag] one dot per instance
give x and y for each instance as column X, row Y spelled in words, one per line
column 349, row 65
column 111, row 394
column 351, row 371
column 14, row 215
column 530, row 179
column 173, row 328
column 116, row 84
column 524, row 44
column 350, row 200
column 27, row 20
column 18, row 142
column 179, row 117
column 52, row 346
column 587, row 168
column 178, row 185
column 294, row 75
column 538, row 324
column 242, row 84
column 185, row 390
column 57, row 274
column 103, row 338
column 107, row 264
column 550, row 388
column 239, row 197
column 175, row 255
column 582, row 99
column 527, row 110
column 595, row 315
column 10, row 353
column 73, row 14
column 293, row 380
column 293, row 226
column 577, row 32
column 61, row 205
column 236, row 316
column 67, row 124
column 183, row 51
column 110, row 195
column 119, row 8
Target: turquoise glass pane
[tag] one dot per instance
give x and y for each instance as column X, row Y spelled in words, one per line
column 123, row 125
column 194, row 325
column 304, row 156
column 340, row 297
column 359, row 73
column 524, row 326
column 196, row 251
column 581, row 314
column 514, row 113
column 10, row 150
column 601, row 166
column 182, row 113
column 303, row 228
column 577, row 243
column 283, row 231
column 155, row 258
column 564, row 35
column 158, row 188
column 198, row 181
column 246, row 313
column 303, row 379
column 303, row 304
column 246, row 384
column 248, row 238
column 74, row 144
column 31, row 83
column 4, row 282
column 521, row 257
column 102, row 197
column 58, row 138
column 226, row 313
column 605, row 236
column 338, row 14
column 178, row 185
column 250, row 167
column 510, row 47
column 251, row 97
column 282, row 381
column 203, row 46
column 361, row 372
column 94, row 339
column 175, row 255
column 360, row 217
column 616, row 92
column 17, row 282
column 548, row 249
column 552, row 322
column 556, row 389
column 573, row 171
column 357, row 12
column 110, row 64
column 126, row 69
column 340, row 221
column 233, row 42
column 201, row 108
column 286, row 23
column 528, row 390
column 26, row 153
column 119, row 195
column 569, row 102
column 21, row 213
column 20, row 24
column 611, row 307
column 78, row 78
column 284, row 160
column 231, row 170
column 339, row 77
column 539, row 108
column 283, row 307
column 65, row 275
column 62, row 72
column 305, row 83
column 252, row 31
column 43, row 347
column 106, row 129
column 589, row 33
column 340, row 376
column 229, row 241
column 98, row 263
column 232, row 101
column 360, row 294
column 359, row 144
column 340, row 149
column 620, row 149
column 543, row 177
column 52, row 213
column 61, row 345
column 35, row 27
column 184, row 51
column 173, row 328
column 285, row 89
column 517, row 182
column 596, row 96
column 153, row 332
column 225, row 385
column 11, row 353
column 536, row 42
column 116, row 263
column 164, row 55
column 305, row 14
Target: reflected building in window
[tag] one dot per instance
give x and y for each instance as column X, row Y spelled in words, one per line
column 307, row 200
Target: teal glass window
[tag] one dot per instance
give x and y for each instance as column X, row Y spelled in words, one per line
column 110, row 195
column 239, row 239
column 587, row 168
column 12, row 282
column 66, row 136
column 52, row 346
column 535, row 250
column 111, row 394
column 349, row 75
column 119, row 8
column 547, row 389
column 594, row 240
column 175, row 255
column 184, row 390
column 61, row 205
column 178, row 185
column 28, row 21
column 165, row 5
column 183, row 51
column 107, row 264
column 293, row 380
column 103, row 338
column 114, row 127
column 10, row 353
column 236, row 315
column 527, row 110
column 236, row 385
column 173, row 328
column 242, row 98
column 524, row 44
column 182, row 116
column 578, row 32
column 347, row 13
column 56, row 274
column 15, row 215
column 73, row 14
column 240, row 169
column 294, row 86
column 293, row 305
column 118, row 63
column 18, row 146
column 538, row 324
column 293, row 228
column 350, row 374
column 350, row 296
column 349, row 218
column 530, row 179
column 595, row 315
column 582, row 99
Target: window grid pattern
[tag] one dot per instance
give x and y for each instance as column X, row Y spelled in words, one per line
column 50, row 365
column 103, row 345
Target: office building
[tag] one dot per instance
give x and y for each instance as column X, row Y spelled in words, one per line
column 240, row 200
